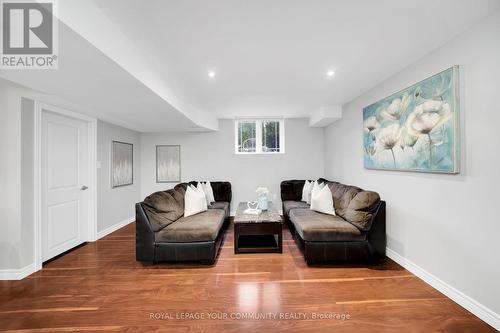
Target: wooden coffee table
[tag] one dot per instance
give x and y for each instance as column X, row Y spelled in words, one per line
column 258, row 233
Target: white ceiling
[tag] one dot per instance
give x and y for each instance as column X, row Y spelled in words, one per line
column 86, row 77
column 270, row 56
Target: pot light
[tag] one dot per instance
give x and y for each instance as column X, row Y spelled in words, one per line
column 330, row 74
column 211, row 74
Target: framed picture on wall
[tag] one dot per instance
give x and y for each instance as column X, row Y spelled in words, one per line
column 168, row 163
column 122, row 164
column 416, row 129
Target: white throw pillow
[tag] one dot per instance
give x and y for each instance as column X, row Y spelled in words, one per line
column 322, row 201
column 315, row 186
column 203, row 188
column 209, row 192
column 306, row 190
column 200, row 188
column 310, row 191
column 194, row 201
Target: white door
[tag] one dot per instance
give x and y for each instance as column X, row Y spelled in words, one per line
column 64, row 177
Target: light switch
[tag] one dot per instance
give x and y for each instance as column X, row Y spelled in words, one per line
column 98, row 164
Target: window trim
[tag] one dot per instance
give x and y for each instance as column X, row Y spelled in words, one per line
column 258, row 135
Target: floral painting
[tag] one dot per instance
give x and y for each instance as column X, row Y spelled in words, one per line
column 415, row 129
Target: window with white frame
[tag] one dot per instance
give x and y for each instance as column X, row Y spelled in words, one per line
column 259, row 136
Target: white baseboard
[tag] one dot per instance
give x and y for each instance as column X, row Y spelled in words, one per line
column 114, row 227
column 487, row 315
column 17, row 274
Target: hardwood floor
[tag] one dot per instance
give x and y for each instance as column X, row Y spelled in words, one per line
column 99, row 287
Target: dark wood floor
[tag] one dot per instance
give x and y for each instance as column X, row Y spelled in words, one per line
column 99, row 287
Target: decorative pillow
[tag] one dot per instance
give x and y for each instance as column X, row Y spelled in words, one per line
column 194, row 201
column 181, row 191
column 310, row 191
column 317, row 187
column 163, row 208
column 361, row 208
column 201, row 188
column 209, row 192
column 306, row 190
column 322, row 200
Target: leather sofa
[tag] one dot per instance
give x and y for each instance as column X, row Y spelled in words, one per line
column 164, row 234
column 356, row 232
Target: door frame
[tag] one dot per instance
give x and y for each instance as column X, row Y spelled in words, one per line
column 91, row 228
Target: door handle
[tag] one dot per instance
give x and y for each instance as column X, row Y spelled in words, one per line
column 84, row 188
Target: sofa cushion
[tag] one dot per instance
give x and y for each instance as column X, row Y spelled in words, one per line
column 317, row 227
column 182, row 187
column 354, row 204
column 221, row 205
column 342, row 196
column 164, row 208
column 202, row 227
column 361, row 209
column 290, row 204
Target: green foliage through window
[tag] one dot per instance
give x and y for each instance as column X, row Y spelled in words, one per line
column 259, row 136
column 271, row 136
column 246, row 137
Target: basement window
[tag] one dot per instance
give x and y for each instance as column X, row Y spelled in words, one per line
column 259, row 136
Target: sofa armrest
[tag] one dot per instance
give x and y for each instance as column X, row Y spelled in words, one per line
column 222, row 191
column 292, row 190
column 376, row 236
column 144, row 236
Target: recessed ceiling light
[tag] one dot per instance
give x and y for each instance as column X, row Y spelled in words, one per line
column 211, row 74
column 330, row 74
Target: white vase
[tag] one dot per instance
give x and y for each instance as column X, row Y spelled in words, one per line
column 262, row 199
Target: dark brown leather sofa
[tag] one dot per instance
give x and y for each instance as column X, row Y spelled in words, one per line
column 356, row 232
column 164, row 234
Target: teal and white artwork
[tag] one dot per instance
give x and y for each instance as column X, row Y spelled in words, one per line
column 415, row 129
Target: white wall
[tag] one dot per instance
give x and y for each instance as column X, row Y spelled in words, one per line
column 210, row 156
column 115, row 205
column 10, row 175
column 446, row 224
column 17, row 175
column 27, row 179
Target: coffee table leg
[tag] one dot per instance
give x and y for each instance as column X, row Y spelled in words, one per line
column 280, row 240
column 236, row 238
